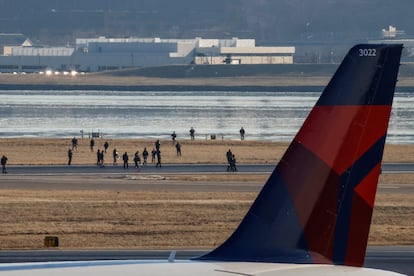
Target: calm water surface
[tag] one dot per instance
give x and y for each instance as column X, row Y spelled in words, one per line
column 274, row 116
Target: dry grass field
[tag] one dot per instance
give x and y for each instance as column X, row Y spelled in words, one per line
column 46, row 151
column 53, row 151
column 163, row 219
column 107, row 78
column 151, row 220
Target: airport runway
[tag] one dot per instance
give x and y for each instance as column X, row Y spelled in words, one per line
column 151, row 178
column 150, row 168
column 398, row 258
column 172, row 168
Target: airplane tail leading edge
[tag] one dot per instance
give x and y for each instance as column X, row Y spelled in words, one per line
column 316, row 207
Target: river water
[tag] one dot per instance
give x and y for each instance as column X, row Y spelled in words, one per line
column 272, row 116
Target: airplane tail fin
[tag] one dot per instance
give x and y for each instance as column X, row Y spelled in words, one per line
column 316, row 207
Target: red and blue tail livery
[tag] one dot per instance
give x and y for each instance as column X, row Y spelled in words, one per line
column 316, row 207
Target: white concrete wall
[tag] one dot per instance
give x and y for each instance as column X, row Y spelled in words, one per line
column 183, row 49
column 245, row 43
column 208, row 43
column 34, row 51
column 246, row 60
column 257, row 50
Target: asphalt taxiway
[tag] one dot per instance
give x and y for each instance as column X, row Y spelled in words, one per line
column 171, row 168
column 151, row 178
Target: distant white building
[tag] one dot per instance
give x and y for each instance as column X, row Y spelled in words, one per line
column 98, row 54
column 240, row 51
column 198, row 50
column 8, row 41
column 391, row 32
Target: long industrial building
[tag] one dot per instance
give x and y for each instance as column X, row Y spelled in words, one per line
column 100, row 54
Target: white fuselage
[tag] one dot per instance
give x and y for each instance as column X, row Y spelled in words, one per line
column 180, row 268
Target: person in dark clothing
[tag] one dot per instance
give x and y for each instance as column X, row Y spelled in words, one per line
column 158, row 159
column 233, row 164
column 145, row 156
column 92, row 144
column 98, row 157
column 69, row 156
column 137, row 160
column 192, row 131
column 229, row 156
column 74, row 143
column 157, row 145
column 106, row 145
column 115, row 156
column 242, row 132
column 173, row 136
column 153, row 155
column 3, row 163
column 125, row 158
column 101, row 159
column 178, row 147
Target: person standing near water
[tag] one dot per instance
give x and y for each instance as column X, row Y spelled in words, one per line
column 242, row 132
column 192, row 131
column 3, row 163
column 70, row 156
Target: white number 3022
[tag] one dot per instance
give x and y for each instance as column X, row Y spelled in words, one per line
column 368, row 52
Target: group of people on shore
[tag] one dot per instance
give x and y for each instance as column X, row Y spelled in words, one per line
column 155, row 155
column 100, row 154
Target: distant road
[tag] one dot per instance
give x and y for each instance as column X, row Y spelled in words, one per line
column 150, row 168
column 166, row 178
column 172, row 168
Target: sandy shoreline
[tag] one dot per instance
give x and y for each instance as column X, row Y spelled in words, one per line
column 53, row 151
column 104, row 79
